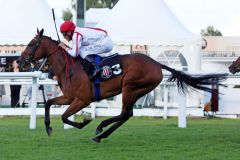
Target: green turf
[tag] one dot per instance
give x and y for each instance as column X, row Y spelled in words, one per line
column 138, row 139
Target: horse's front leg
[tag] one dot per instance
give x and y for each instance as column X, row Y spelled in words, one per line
column 62, row 100
column 76, row 105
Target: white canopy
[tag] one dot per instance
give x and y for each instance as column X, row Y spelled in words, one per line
column 144, row 22
column 151, row 23
column 94, row 15
column 20, row 19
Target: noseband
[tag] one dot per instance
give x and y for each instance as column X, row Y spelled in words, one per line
column 35, row 46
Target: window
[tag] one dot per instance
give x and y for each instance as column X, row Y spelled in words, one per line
column 139, row 49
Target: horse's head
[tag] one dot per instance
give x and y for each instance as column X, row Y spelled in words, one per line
column 235, row 66
column 33, row 51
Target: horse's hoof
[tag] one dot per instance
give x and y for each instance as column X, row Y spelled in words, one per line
column 87, row 120
column 96, row 139
column 98, row 130
column 49, row 130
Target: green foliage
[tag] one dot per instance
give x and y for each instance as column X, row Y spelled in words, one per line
column 67, row 15
column 138, row 139
column 210, row 31
column 100, row 3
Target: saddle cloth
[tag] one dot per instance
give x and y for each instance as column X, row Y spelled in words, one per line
column 110, row 67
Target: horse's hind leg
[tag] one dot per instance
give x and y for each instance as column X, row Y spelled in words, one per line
column 130, row 93
column 127, row 112
column 75, row 106
column 107, row 122
column 62, row 100
column 124, row 117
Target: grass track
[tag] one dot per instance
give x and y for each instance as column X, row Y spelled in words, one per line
column 138, row 139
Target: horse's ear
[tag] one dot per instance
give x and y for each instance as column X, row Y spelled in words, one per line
column 41, row 32
column 37, row 30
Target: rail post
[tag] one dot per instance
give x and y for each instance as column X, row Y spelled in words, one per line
column 182, row 118
column 33, row 116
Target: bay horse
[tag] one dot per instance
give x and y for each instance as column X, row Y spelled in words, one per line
column 235, row 66
column 141, row 74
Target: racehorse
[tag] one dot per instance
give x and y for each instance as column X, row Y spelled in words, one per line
column 141, row 74
column 235, row 66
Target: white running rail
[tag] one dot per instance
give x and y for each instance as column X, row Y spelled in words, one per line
column 32, row 78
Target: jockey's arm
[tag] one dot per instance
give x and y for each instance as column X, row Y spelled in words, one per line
column 72, row 51
column 63, row 46
column 76, row 46
column 69, row 50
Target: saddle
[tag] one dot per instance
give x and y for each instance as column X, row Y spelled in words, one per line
column 110, row 66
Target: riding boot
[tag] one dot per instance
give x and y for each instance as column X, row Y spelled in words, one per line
column 96, row 68
column 89, row 58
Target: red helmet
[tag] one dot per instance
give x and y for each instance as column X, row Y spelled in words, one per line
column 67, row 26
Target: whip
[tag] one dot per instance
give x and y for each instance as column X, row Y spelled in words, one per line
column 55, row 24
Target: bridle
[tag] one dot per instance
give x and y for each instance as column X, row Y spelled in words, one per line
column 35, row 46
column 30, row 58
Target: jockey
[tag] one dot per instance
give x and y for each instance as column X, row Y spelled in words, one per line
column 86, row 42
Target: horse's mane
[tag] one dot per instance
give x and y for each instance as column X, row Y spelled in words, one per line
column 56, row 42
column 77, row 59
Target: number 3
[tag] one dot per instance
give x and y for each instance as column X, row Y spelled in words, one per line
column 116, row 69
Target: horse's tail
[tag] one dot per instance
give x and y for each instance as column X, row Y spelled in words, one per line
column 185, row 80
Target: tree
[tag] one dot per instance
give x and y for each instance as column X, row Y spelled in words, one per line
column 210, row 31
column 100, row 3
column 97, row 3
column 67, row 15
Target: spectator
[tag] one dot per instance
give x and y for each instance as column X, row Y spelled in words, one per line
column 15, row 89
column 2, row 88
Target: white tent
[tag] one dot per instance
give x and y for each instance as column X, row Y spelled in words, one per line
column 94, row 15
column 20, row 19
column 151, row 23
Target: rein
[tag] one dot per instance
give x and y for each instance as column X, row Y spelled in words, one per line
column 66, row 60
column 36, row 46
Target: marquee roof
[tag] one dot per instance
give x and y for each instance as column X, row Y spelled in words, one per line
column 148, row 22
column 94, row 15
column 20, row 19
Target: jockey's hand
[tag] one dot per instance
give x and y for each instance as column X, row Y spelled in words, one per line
column 63, row 46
